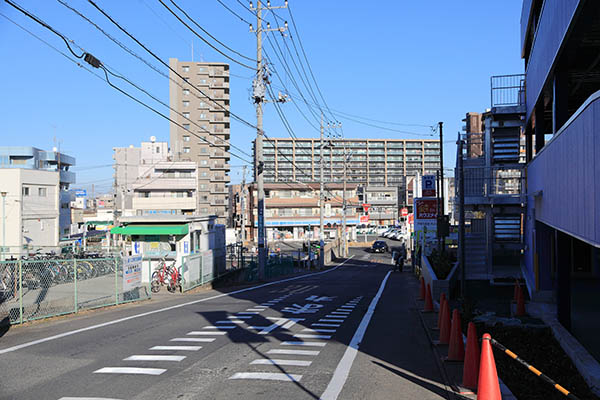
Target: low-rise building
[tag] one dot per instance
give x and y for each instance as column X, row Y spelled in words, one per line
column 35, row 199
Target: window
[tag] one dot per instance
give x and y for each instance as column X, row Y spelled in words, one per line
column 186, row 115
column 186, row 92
column 185, row 68
column 42, row 192
column 157, row 149
column 186, row 138
column 202, row 115
column 203, row 150
column 186, row 149
column 204, row 162
column 25, row 191
column 202, row 104
column 202, row 186
column 186, row 103
column 186, row 127
column 203, row 81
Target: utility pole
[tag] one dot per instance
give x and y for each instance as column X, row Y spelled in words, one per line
column 461, row 217
column 259, row 97
column 242, row 201
column 321, row 198
column 344, row 205
column 441, row 210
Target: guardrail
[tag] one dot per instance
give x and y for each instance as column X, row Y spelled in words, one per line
column 35, row 289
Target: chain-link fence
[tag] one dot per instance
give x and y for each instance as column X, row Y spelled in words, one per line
column 201, row 268
column 34, row 289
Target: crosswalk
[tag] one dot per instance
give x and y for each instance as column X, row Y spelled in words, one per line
column 310, row 343
column 295, row 354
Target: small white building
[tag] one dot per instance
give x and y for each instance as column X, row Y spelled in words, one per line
column 171, row 237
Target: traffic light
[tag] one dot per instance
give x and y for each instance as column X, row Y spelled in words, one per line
column 260, row 167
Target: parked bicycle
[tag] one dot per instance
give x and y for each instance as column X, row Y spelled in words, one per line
column 166, row 275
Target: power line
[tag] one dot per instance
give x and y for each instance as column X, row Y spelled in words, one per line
column 233, row 12
column 206, row 32
column 249, row 124
column 97, row 64
column 163, row 21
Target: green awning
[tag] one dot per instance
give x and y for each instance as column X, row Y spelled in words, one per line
column 140, row 229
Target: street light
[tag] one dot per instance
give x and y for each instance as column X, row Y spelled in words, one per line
column 3, row 224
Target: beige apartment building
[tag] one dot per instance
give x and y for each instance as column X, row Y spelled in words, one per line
column 202, row 106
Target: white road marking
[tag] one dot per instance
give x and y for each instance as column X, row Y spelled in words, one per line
column 342, row 370
column 341, row 312
column 308, row 344
column 269, row 361
column 174, row 307
column 319, row 330
column 231, row 321
column 220, row 327
column 349, row 307
column 327, row 325
column 248, row 312
column 86, row 398
column 269, row 376
column 256, row 309
column 130, row 370
column 331, row 320
column 192, row 339
column 213, row 333
column 294, row 352
column 339, row 316
column 303, row 336
column 265, row 304
column 153, row 358
column 239, row 317
column 178, row 348
column 273, row 361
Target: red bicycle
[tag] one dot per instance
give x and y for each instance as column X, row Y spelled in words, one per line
column 167, row 275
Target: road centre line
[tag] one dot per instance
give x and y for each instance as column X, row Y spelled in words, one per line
column 176, row 348
column 270, row 361
column 294, row 352
column 270, row 376
column 342, row 370
column 130, row 370
column 307, row 344
column 154, row 358
column 174, row 307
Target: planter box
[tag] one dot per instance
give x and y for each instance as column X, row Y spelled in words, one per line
column 438, row 286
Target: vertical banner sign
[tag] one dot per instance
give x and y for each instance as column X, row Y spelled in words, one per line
column 261, row 224
column 425, row 220
column 428, row 186
column 132, row 272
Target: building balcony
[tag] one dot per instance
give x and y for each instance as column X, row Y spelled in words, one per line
column 164, row 203
column 218, row 72
column 562, row 183
column 555, row 20
column 158, row 183
column 67, row 177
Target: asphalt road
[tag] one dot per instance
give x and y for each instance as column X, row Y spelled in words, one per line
column 351, row 332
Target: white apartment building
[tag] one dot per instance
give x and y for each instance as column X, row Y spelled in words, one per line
column 149, row 181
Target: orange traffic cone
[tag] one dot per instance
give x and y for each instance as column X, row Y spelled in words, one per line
column 445, row 327
column 440, row 312
column 516, row 291
column 428, row 300
column 422, row 290
column 456, row 351
column 471, row 366
column 520, row 303
column 488, row 386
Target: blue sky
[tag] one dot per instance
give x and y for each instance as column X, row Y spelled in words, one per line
column 412, row 62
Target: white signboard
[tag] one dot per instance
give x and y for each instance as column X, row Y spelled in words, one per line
column 428, row 186
column 132, row 272
column 425, row 223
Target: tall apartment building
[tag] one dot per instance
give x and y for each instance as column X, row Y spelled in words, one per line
column 202, row 106
column 373, row 162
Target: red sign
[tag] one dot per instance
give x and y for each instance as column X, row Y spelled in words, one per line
column 364, row 219
column 404, row 212
column 426, row 208
column 411, row 218
column 366, row 207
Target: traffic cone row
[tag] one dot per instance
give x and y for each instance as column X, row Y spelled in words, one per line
column 456, row 351
column 422, row 290
column 471, row 365
column 439, row 321
column 445, row 324
column 428, row 300
column 488, row 387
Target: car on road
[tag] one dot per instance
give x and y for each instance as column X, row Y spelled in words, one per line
column 379, row 246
